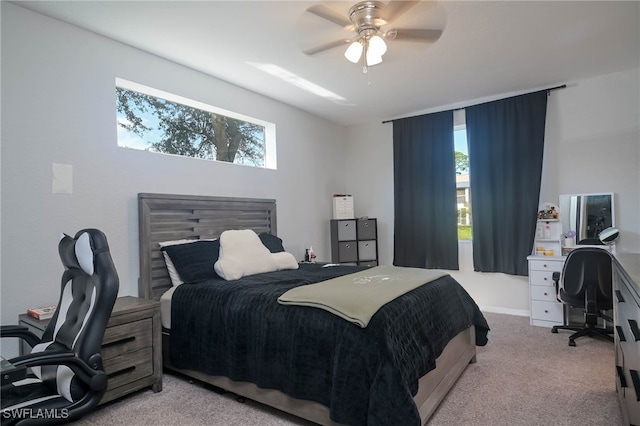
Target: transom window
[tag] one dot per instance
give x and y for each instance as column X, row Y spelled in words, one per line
column 157, row 121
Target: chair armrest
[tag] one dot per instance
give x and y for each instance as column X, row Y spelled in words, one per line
column 95, row 379
column 21, row 332
column 556, row 281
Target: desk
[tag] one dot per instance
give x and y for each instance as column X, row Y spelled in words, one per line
column 10, row 373
column 626, row 308
column 546, row 310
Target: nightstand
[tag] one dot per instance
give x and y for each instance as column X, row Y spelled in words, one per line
column 131, row 348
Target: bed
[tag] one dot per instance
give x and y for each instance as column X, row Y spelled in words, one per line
column 352, row 375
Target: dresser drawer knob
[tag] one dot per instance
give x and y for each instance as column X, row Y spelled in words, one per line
column 546, row 311
column 546, row 294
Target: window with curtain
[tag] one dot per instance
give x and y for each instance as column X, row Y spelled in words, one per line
column 505, row 148
column 506, row 143
column 425, row 225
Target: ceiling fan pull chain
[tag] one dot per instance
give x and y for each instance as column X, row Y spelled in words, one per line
column 365, row 47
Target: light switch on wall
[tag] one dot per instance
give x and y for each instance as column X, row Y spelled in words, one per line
column 62, row 178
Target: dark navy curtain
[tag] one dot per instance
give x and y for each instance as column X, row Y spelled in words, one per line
column 506, row 143
column 425, row 228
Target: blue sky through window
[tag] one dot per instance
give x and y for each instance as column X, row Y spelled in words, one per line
column 460, row 140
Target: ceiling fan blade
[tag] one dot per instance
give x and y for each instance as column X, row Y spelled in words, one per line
column 325, row 46
column 329, row 14
column 405, row 34
column 394, row 9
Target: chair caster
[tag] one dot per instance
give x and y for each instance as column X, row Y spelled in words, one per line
column 554, row 329
column 572, row 343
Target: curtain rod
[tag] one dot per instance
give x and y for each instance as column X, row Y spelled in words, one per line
column 563, row 86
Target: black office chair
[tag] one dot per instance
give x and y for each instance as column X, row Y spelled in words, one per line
column 586, row 282
column 66, row 378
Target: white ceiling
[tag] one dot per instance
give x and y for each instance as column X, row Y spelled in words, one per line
column 487, row 48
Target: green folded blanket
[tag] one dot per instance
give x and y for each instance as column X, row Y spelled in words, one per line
column 357, row 297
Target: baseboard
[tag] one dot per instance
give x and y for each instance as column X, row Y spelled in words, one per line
column 508, row 311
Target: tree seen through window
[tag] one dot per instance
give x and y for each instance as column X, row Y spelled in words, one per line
column 160, row 125
column 463, row 189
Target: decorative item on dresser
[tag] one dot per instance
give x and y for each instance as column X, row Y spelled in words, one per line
column 131, row 348
column 548, row 241
column 354, row 241
column 626, row 318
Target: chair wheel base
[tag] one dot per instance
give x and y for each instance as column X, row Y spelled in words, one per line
column 572, row 343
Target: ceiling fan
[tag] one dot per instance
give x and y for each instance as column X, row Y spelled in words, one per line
column 368, row 19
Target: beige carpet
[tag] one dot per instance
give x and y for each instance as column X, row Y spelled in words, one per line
column 525, row 376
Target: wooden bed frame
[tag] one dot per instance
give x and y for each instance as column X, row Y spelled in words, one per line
column 165, row 217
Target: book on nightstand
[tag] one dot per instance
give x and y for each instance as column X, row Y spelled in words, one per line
column 43, row 312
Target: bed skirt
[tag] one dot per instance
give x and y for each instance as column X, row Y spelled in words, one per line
column 433, row 386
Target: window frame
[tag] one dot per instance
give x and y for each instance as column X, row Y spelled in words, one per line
column 270, row 157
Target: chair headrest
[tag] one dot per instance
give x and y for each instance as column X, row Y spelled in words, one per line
column 78, row 252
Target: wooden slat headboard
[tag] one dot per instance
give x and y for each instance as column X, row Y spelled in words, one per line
column 166, row 217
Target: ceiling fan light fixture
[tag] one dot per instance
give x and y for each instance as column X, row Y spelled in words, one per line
column 367, row 18
column 354, row 52
column 373, row 59
column 377, row 46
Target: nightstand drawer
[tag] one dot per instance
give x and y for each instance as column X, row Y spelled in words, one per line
column 127, row 338
column 546, row 265
column 128, row 367
column 547, row 311
column 544, row 293
column 541, row 278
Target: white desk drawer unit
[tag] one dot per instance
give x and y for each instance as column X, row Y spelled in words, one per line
column 546, row 311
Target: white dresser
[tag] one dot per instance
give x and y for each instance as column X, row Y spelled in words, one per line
column 546, row 311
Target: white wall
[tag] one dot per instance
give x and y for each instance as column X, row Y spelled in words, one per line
column 592, row 145
column 58, row 106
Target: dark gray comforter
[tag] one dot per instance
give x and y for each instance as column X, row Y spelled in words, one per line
column 365, row 376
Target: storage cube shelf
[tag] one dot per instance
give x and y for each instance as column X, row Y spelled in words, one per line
column 354, row 241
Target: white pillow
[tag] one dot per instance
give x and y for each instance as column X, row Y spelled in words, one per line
column 173, row 273
column 241, row 254
column 285, row 260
